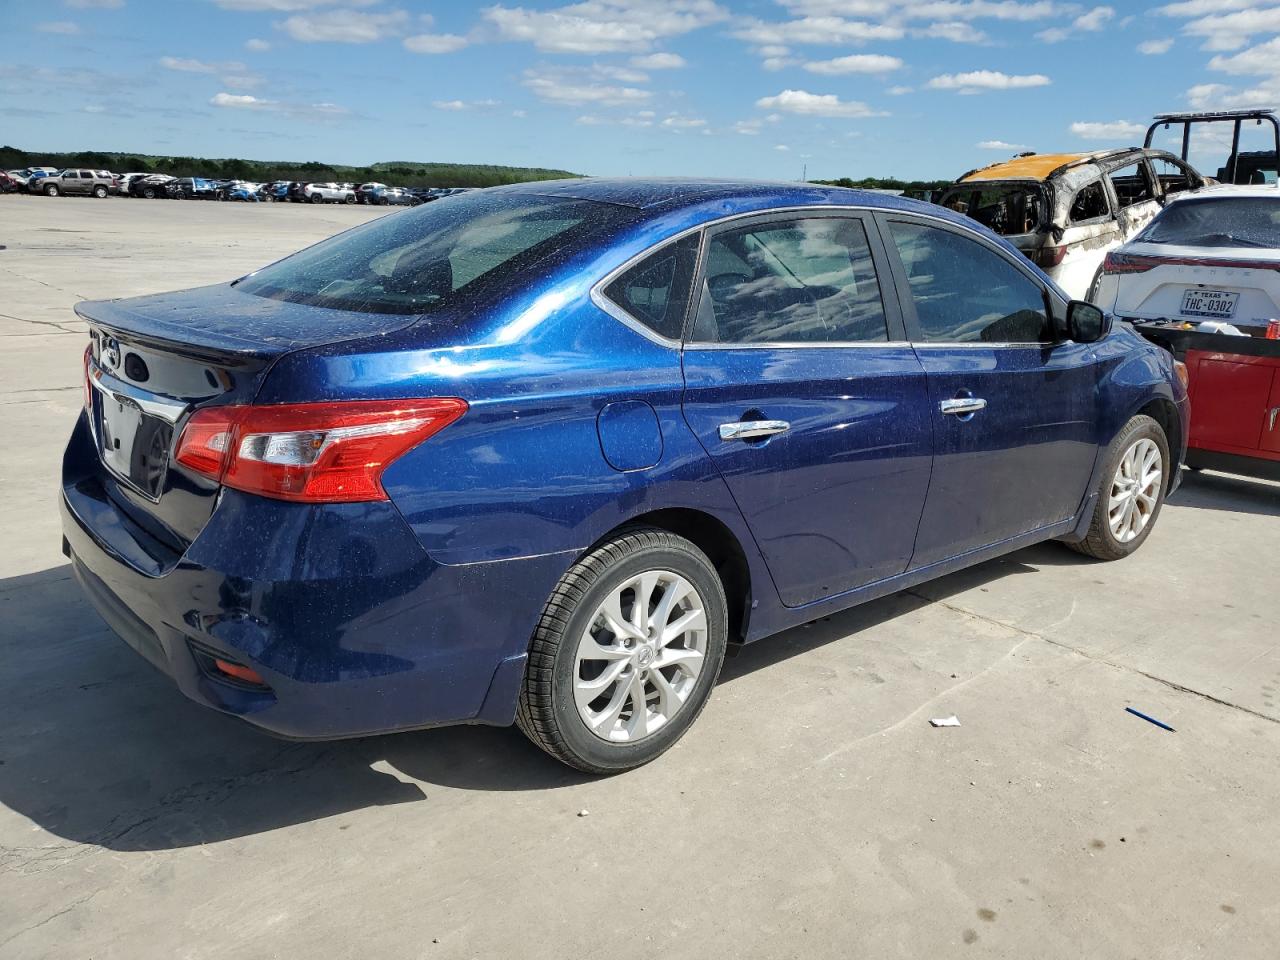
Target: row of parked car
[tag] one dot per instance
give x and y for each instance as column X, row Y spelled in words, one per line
column 52, row 182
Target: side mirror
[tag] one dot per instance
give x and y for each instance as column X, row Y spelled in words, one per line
column 1086, row 323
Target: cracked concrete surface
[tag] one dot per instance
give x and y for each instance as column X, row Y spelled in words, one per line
column 812, row 811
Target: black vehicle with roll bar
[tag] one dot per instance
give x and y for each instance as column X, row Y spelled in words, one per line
column 1248, row 167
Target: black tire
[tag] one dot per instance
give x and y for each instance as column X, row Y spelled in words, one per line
column 349, row 199
column 547, row 713
column 149, row 193
column 100, row 192
column 1101, row 543
column 316, row 198
column 51, row 190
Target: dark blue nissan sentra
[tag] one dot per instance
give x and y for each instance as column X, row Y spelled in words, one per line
column 542, row 453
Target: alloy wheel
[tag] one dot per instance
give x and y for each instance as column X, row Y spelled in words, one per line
column 640, row 656
column 1135, row 490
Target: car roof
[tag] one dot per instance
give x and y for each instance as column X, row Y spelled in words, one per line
column 1225, row 190
column 1040, row 166
column 666, row 194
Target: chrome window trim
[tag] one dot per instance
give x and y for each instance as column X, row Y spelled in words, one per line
column 598, row 297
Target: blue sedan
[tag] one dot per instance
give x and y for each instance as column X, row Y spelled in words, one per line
column 542, row 453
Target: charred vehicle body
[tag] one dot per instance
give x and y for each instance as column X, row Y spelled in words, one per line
column 1064, row 211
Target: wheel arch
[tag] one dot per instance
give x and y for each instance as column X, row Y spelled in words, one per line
column 721, row 546
column 1163, row 412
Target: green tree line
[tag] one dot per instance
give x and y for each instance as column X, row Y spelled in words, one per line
column 396, row 173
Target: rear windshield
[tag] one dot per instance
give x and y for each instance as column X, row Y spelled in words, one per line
column 1008, row 209
column 430, row 256
column 1217, row 222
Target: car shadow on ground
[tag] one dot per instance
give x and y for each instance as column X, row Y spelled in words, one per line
column 98, row 748
column 1234, row 494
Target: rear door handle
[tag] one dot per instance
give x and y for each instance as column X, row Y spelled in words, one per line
column 1275, row 411
column 962, row 406
column 752, row 429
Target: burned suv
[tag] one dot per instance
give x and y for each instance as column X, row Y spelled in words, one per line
column 1064, row 211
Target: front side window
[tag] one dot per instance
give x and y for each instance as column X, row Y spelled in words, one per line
column 656, row 290
column 1173, row 176
column 1131, row 185
column 966, row 293
column 429, row 257
column 796, row 281
column 1090, row 203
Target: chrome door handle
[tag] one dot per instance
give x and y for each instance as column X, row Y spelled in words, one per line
column 961, row 406
column 752, row 429
column 1275, row 411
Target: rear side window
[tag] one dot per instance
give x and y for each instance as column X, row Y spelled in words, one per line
column 1223, row 222
column 1173, row 176
column 796, row 281
column 1131, row 185
column 1090, row 203
column 656, row 290
column 1008, row 209
column 966, row 293
column 423, row 259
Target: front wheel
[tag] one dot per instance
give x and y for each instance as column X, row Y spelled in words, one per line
column 626, row 653
column 51, row 190
column 1130, row 492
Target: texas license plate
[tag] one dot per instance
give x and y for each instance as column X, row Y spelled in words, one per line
column 1219, row 304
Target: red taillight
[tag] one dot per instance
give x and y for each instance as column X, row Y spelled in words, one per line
column 88, row 389
column 1047, row 257
column 239, row 671
column 1129, row 263
column 310, row 452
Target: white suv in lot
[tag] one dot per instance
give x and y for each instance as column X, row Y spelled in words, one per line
column 329, row 193
column 1211, row 256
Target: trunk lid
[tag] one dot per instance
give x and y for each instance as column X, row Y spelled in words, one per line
column 154, row 360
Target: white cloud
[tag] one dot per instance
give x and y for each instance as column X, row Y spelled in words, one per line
column 899, row 91
column 190, row 65
column 435, row 43
column 816, row 105
column 1109, row 130
column 235, row 101
column 979, row 81
column 65, row 27
column 1089, row 22
column 817, row 30
column 781, row 147
column 465, row 104
column 257, row 46
column 1231, row 31
column 855, row 63
column 94, row 4
column 954, row 31
column 288, row 6
column 1260, row 61
column 659, row 61
column 1217, row 96
column 676, row 122
column 603, row 26
column 345, row 26
column 1001, row 145
column 576, row 86
column 1152, row 48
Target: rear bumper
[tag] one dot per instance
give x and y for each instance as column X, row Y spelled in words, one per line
column 353, row 627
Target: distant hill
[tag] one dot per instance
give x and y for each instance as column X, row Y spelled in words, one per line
column 396, row 173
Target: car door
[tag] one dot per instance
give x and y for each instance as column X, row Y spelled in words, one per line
column 1091, row 229
column 800, row 386
column 1133, row 195
column 1013, row 411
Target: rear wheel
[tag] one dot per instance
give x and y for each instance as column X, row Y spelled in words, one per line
column 100, row 192
column 626, row 652
column 316, row 198
column 1130, row 492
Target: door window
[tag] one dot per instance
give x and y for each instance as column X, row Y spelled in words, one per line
column 795, row 281
column 1090, row 203
column 1131, row 185
column 967, row 293
column 1173, row 176
column 656, row 290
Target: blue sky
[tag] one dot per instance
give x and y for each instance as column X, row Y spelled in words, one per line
column 758, row 88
